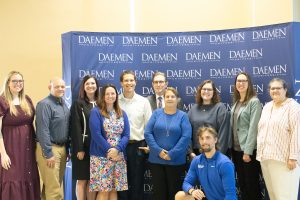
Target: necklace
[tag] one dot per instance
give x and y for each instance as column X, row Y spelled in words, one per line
column 168, row 127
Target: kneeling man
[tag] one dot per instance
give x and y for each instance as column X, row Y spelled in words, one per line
column 213, row 170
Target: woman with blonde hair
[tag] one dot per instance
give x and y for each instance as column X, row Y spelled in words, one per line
column 18, row 172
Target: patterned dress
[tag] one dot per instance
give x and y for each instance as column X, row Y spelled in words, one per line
column 107, row 175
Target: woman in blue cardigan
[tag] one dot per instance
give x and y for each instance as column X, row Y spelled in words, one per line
column 168, row 134
column 245, row 115
column 110, row 135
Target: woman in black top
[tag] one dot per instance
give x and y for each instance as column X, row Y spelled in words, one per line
column 80, row 136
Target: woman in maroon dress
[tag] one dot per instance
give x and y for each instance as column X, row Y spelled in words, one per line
column 19, row 177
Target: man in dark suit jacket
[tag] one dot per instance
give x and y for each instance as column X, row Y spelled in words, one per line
column 159, row 84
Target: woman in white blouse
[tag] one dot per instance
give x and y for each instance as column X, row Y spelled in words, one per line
column 278, row 143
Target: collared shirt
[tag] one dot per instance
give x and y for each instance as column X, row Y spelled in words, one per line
column 52, row 123
column 279, row 132
column 138, row 110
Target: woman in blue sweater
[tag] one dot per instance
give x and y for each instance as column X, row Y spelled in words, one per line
column 110, row 134
column 168, row 133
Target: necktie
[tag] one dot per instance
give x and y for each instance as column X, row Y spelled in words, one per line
column 159, row 102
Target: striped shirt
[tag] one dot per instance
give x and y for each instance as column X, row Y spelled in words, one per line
column 279, row 132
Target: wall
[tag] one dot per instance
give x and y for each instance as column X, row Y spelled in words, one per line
column 30, row 31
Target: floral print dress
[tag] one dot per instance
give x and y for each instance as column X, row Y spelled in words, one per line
column 106, row 174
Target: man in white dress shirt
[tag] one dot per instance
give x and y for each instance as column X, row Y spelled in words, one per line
column 138, row 110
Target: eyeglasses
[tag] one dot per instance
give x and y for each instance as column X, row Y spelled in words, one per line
column 17, row 81
column 206, row 89
column 276, row 88
column 241, row 81
column 158, row 82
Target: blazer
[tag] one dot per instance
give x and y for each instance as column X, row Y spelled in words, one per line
column 247, row 121
column 152, row 101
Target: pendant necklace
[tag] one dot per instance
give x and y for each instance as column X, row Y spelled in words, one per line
column 168, row 127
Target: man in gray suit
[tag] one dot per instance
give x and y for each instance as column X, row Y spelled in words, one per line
column 159, row 84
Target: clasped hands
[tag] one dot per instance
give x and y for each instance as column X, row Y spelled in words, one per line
column 197, row 194
column 164, row 155
column 113, row 154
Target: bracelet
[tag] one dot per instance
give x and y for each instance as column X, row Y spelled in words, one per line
column 191, row 191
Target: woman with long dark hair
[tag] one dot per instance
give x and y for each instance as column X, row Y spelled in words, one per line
column 245, row 114
column 81, row 136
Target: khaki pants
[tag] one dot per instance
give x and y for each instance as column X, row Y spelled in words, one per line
column 52, row 177
column 281, row 182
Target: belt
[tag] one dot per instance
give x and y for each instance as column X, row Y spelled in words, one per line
column 134, row 141
column 58, row 143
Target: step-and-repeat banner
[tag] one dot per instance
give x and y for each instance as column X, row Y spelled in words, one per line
column 187, row 58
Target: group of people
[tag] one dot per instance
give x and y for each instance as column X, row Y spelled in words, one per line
column 113, row 135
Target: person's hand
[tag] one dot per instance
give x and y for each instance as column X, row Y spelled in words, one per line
column 50, row 162
column 192, row 155
column 145, row 149
column 80, row 155
column 291, row 164
column 198, row 194
column 246, row 158
column 164, row 155
column 5, row 161
column 112, row 153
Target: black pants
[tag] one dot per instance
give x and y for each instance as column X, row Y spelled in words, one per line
column 136, row 160
column 248, row 175
column 167, row 180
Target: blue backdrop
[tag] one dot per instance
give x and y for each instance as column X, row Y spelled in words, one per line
column 187, row 58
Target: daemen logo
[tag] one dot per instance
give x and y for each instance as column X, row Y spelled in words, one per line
column 227, row 38
column 139, row 41
column 274, row 70
column 184, row 40
column 203, row 56
column 258, row 88
column 115, row 58
column 192, row 90
column 95, row 40
column 269, row 34
column 187, row 107
column 159, row 57
column 146, row 91
column 297, row 93
column 144, row 74
column 228, row 106
column 99, row 74
column 246, row 54
column 225, row 72
column 184, row 74
column 200, row 166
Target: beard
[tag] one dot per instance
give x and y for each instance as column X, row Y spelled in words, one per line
column 206, row 149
